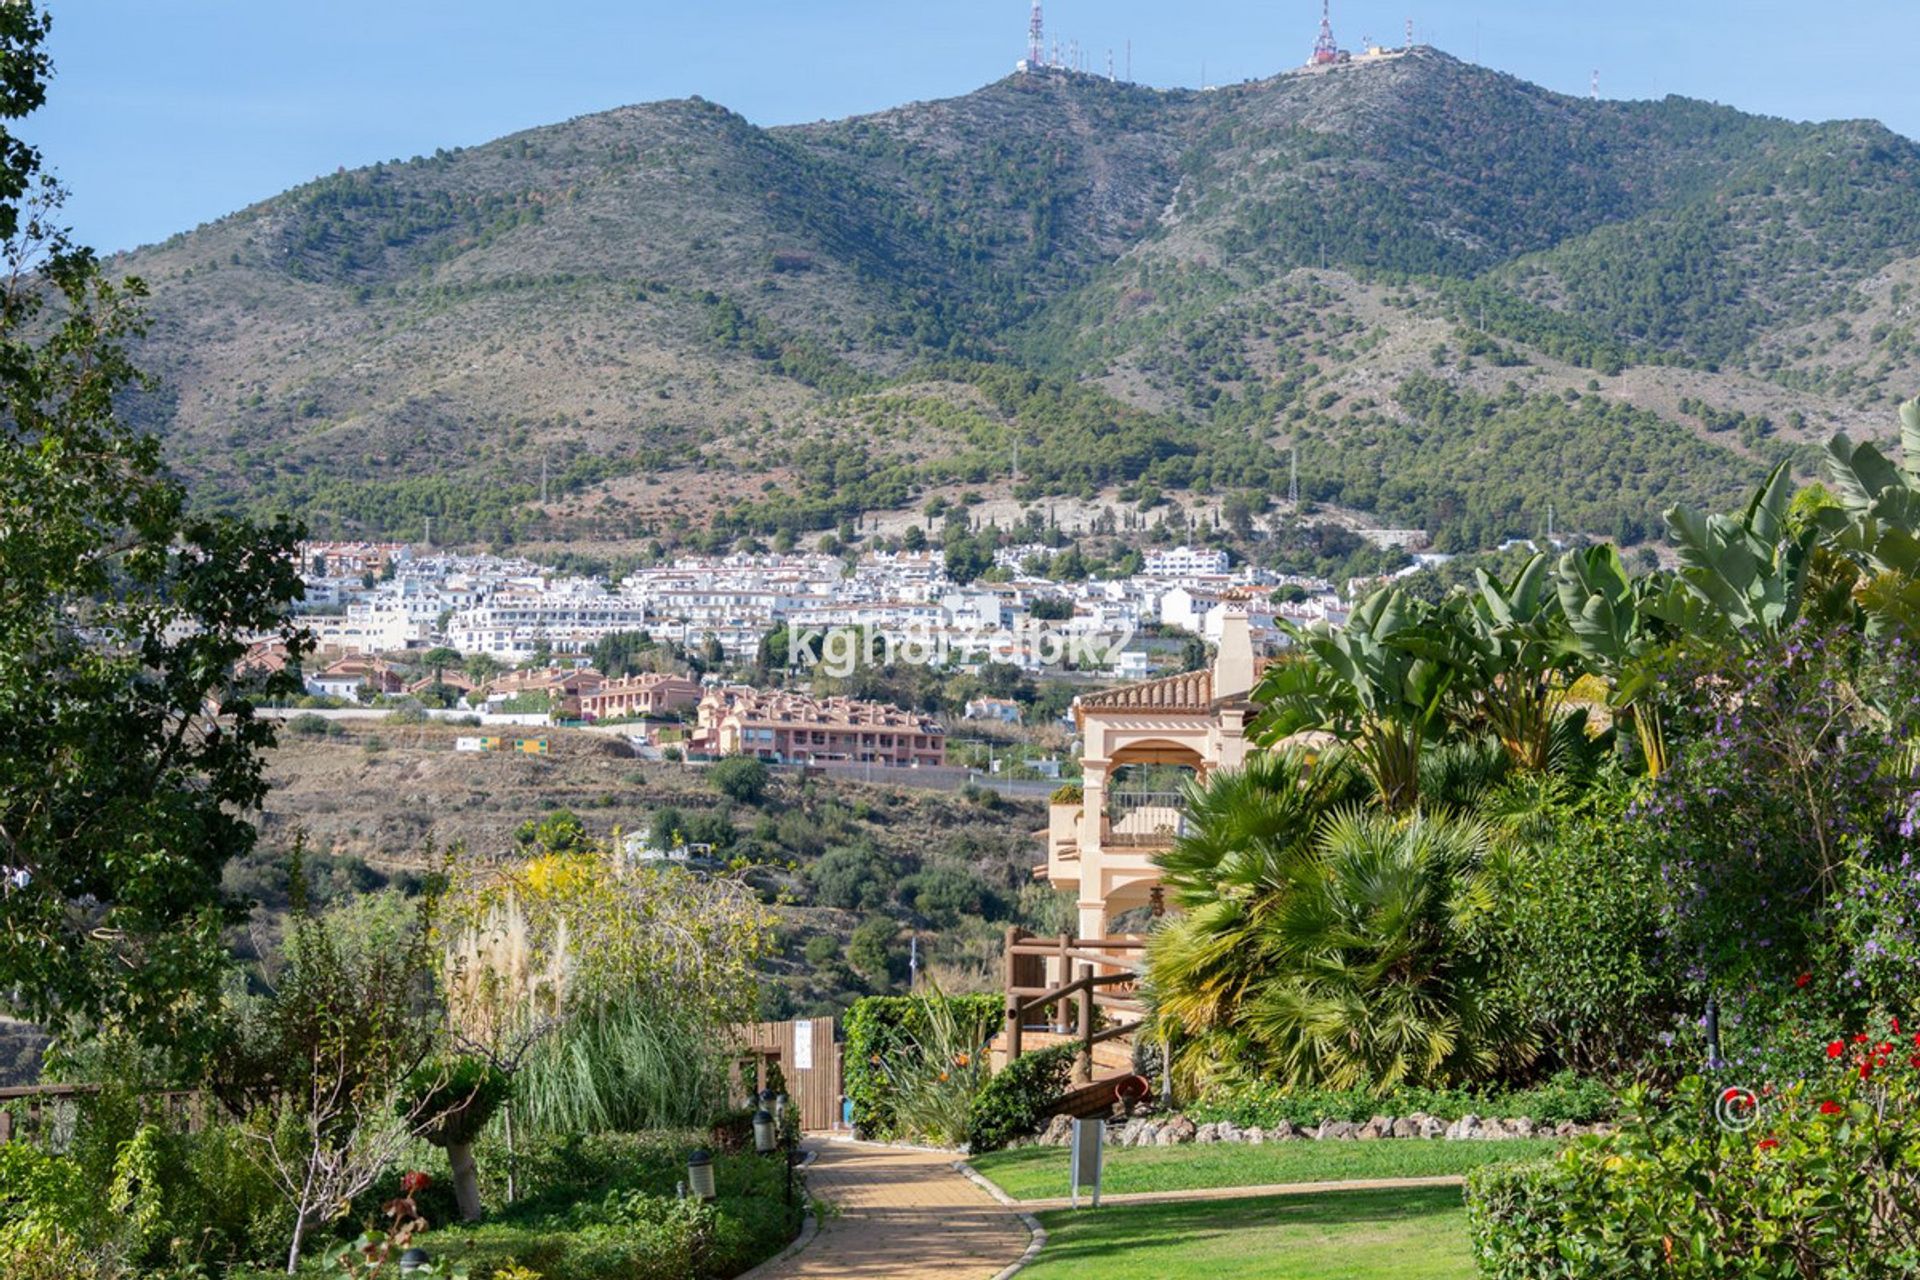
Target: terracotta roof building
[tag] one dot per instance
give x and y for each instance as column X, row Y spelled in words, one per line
column 1103, row 845
column 795, row 729
column 652, row 693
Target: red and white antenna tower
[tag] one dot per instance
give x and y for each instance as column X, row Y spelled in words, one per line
column 1326, row 49
column 1036, row 39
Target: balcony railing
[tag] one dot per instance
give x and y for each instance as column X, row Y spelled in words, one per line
column 1145, row 819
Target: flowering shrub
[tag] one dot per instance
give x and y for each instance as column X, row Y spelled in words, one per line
column 885, row 1031
column 1785, row 837
column 1821, row 1178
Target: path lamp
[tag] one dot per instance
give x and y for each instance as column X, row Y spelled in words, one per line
column 700, row 1175
column 765, row 1132
column 414, row 1261
column 779, row 1107
column 789, row 1156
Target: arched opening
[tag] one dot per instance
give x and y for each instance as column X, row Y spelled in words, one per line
column 1146, row 802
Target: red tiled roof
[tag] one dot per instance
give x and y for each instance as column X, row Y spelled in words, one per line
column 1188, row 691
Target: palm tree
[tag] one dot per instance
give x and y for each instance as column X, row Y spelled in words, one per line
column 1245, row 830
column 1378, row 965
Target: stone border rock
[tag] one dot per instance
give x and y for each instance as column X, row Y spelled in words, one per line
column 1178, row 1130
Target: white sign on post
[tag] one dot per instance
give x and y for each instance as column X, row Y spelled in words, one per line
column 1089, row 1149
column 803, row 1045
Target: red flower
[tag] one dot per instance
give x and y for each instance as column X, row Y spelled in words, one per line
column 1914, row 1062
column 1866, row 1069
column 1861, row 1038
column 1803, row 980
column 1837, row 1048
column 413, row 1182
column 1732, row 1092
column 1896, row 1026
column 1768, row 1144
column 1916, row 1039
column 1831, row 1108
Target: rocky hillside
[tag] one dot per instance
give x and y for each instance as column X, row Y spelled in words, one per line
column 1460, row 297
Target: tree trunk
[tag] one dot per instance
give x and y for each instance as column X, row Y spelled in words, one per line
column 293, row 1251
column 466, row 1180
column 513, row 1170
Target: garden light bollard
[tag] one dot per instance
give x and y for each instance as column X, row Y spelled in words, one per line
column 1089, row 1154
column 764, row 1136
column 700, row 1175
column 413, row 1260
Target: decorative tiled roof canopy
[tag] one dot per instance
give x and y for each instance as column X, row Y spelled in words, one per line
column 1190, row 691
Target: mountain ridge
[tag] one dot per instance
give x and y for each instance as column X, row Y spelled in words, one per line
column 701, row 329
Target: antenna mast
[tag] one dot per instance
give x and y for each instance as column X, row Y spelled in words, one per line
column 1326, row 50
column 1596, row 85
column 1409, row 33
column 1036, row 39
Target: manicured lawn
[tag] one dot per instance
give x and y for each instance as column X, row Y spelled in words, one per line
column 1035, row 1173
column 1418, row 1234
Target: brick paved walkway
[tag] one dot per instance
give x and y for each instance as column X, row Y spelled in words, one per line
column 903, row 1215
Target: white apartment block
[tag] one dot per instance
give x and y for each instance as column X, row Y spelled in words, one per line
column 1185, row 562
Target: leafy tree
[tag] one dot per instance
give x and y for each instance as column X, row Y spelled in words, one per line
column 872, row 953
column 130, row 754
column 558, row 832
column 438, row 659
column 854, row 877
column 744, row 779
column 319, row 1065
column 482, row 667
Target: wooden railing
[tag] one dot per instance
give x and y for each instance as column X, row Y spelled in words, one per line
column 1106, row 974
column 37, row 1113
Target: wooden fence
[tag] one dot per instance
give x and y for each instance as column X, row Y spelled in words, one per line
column 44, row 1114
column 809, row 1058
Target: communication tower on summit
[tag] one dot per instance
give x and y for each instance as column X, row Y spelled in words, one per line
column 1036, row 39
column 1326, row 49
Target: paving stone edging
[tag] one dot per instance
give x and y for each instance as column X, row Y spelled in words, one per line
column 1038, row 1232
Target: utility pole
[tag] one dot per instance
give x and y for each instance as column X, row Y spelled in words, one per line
column 1293, row 476
column 1129, row 59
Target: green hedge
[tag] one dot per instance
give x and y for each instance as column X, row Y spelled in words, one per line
column 880, row 1025
column 1016, row 1099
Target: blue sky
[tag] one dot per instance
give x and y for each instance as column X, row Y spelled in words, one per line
column 168, row 113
